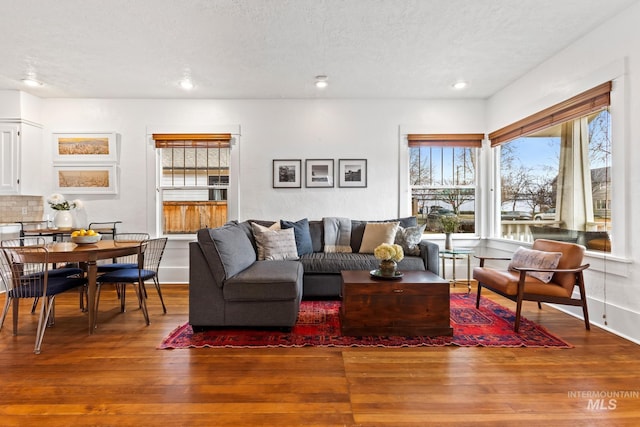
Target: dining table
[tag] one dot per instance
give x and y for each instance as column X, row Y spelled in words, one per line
column 87, row 255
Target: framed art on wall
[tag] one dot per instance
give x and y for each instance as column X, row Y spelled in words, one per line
column 319, row 173
column 87, row 147
column 352, row 172
column 92, row 179
column 286, row 173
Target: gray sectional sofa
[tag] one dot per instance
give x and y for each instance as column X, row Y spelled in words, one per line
column 229, row 286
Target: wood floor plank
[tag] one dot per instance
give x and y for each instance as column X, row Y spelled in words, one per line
column 117, row 376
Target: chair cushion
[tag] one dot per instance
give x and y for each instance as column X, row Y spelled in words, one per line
column 60, row 272
column 531, row 258
column 126, row 275
column 55, row 286
column 506, row 281
column 103, row 268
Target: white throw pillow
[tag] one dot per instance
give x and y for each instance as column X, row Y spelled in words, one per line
column 275, row 245
column 377, row 233
column 531, row 258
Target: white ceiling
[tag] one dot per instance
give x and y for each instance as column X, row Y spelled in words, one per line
column 275, row 48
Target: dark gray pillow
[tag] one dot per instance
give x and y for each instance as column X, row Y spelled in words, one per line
column 235, row 248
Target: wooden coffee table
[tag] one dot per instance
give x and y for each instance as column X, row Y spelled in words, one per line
column 416, row 305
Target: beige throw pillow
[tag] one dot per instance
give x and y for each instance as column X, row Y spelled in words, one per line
column 531, row 258
column 262, row 229
column 377, row 233
column 274, row 245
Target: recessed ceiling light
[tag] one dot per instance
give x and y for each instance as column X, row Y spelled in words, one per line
column 459, row 85
column 321, row 82
column 186, row 84
column 32, row 82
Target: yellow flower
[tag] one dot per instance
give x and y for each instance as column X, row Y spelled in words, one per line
column 388, row 251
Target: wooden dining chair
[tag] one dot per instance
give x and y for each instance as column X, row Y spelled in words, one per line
column 26, row 275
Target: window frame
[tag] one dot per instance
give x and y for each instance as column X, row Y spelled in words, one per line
column 453, row 141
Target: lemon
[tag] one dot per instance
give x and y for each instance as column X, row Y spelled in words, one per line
column 75, row 233
column 91, row 232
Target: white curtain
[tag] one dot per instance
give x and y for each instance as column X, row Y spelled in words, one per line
column 575, row 202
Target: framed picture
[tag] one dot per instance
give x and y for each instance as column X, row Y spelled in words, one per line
column 286, row 173
column 98, row 147
column 352, row 172
column 87, row 179
column 319, row 173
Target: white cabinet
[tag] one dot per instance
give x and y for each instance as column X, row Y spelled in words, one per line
column 9, row 160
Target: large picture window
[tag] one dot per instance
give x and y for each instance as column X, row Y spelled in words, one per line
column 442, row 173
column 555, row 181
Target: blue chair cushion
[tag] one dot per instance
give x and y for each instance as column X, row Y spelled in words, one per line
column 58, row 272
column 126, row 275
column 55, row 286
column 104, row 268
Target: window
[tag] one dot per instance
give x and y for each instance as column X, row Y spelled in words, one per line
column 193, row 180
column 555, row 179
column 442, row 173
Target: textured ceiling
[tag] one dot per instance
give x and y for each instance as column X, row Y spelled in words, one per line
column 275, row 48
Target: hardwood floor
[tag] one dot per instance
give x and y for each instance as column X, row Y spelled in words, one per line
column 117, row 377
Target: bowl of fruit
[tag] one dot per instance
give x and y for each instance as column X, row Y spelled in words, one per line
column 85, row 237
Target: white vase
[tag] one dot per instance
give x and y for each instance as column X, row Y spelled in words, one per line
column 63, row 219
column 448, row 244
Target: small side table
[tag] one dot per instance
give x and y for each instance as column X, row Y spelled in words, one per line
column 453, row 255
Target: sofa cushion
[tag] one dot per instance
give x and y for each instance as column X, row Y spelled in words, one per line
column 266, row 281
column 275, row 245
column 376, row 233
column 316, row 230
column 409, row 238
column 334, row 263
column 304, row 244
column 531, row 258
column 358, row 226
column 233, row 247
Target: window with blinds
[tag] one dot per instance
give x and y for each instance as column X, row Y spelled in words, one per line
column 555, row 169
column 442, row 173
column 193, row 181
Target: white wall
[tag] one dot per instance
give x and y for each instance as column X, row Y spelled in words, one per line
column 612, row 52
column 270, row 129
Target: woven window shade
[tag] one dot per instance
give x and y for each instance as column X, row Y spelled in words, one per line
column 192, row 140
column 580, row 105
column 470, row 140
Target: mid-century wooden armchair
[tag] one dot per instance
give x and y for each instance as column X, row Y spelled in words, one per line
column 518, row 284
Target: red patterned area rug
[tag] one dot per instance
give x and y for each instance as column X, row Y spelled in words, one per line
column 319, row 325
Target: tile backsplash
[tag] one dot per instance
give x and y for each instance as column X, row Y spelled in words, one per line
column 12, row 208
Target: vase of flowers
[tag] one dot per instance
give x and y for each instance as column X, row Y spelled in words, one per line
column 450, row 224
column 389, row 255
column 63, row 218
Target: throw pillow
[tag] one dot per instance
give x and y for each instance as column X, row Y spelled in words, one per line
column 531, row 258
column 302, row 233
column 275, row 244
column 234, row 248
column 376, row 233
column 261, row 228
column 409, row 238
